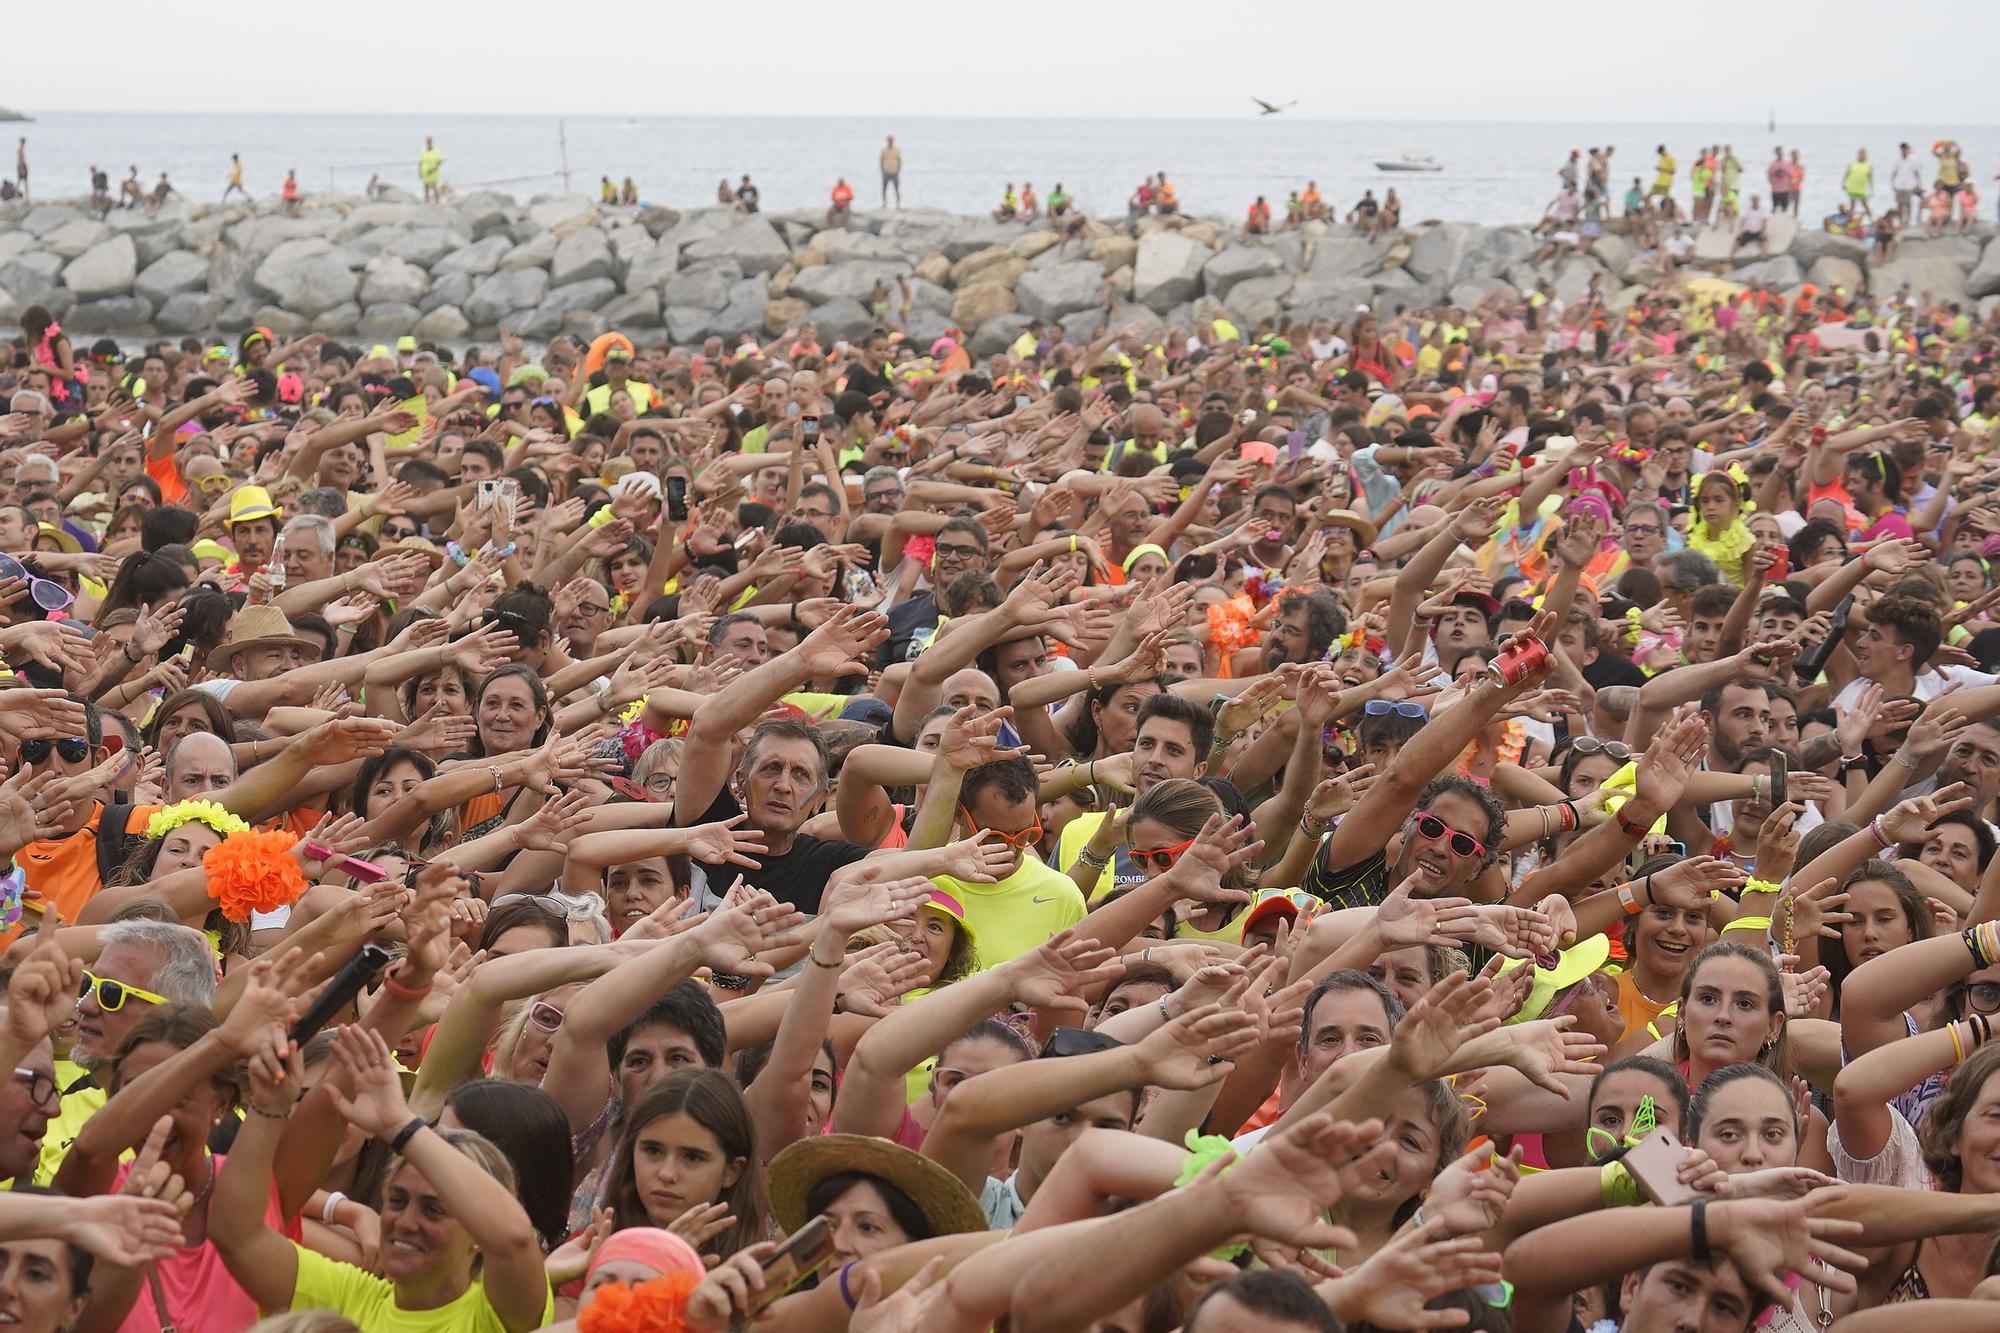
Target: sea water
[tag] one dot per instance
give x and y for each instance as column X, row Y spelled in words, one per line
column 1493, row 171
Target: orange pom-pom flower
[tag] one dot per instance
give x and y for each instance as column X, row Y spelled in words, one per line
column 657, row 1305
column 253, row 872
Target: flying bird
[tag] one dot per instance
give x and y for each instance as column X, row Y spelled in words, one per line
column 1270, row 110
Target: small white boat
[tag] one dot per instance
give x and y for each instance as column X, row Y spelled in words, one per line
column 1409, row 162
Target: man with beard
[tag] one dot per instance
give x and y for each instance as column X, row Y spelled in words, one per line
column 1305, row 629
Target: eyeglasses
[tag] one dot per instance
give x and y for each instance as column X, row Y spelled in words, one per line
column 592, row 609
column 49, row 596
column 1400, row 707
column 803, row 512
column 1159, row 858
column 41, row 1088
column 1643, row 529
column 1983, row 997
column 1027, row 837
column 883, row 497
column 944, row 552
column 545, row 1016
column 1618, row 750
column 73, row 749
column 1462, row 845
column 111, row 995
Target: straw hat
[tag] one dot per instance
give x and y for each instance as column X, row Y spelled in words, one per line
column 947, row 1205
column 427, row 549
column 1364, row 531
column 255, row 627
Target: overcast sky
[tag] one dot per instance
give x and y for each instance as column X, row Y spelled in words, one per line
column 1827, row 61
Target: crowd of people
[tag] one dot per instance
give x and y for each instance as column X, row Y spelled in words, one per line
column 1445, row 818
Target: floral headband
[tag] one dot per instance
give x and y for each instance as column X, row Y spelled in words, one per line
column 173, row 816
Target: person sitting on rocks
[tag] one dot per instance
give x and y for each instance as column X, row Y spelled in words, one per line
column 1362, row 216
column 1258, row 223
column 1010, row 205
column 842, row 207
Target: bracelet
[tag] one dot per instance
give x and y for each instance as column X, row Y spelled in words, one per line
column 1091, row 860
column 1631, row 828
column 1571, row 817
column 1090, row 675
column 1755, row 885
column 268, row 1115
column 1875, row 827
column 813, row 958
column 1311, row 827
column 1983, row 939
column 402, row 992
column 345, row 585
column 333, row 1201
column 129, row 657
column 1699, row 1232
column 1629, row 900
column 1090, row 772
column 408, row 1132
column 1957, row 1047
column 1982, row 1028
column 1072, row 543
column 1907, row 760
column 1543, row 811
column 498, row 783
column 1618, row 1187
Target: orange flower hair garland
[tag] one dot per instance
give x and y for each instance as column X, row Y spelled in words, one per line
column 657, row 1305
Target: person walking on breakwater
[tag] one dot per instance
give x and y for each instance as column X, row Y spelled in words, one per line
column 235, row 185
column 430, row 171
column 21, row 166
column 892, row 172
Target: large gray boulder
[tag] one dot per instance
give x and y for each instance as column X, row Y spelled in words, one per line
column 842, row 319
column 338, row 322
column 482, row 214
column 392, row 281
column 1441, row 254
column 32, row 276
column 564, row 213
column 1051, row 293
column 745, row 307
column 705, row 288
column 1831, row 271
column 425, row 247
column 1345, row 255
column 105, row 269
column 45, row 218
column 112, row 314
column 304, row 280
column 391, row 319
column 172, row 273
column 752, row 243
column 14, row 243
column 534, row 252
column 638, row 310
column 151, row 237
column 229, row 274
column 1984, row 280
column 289, row 324
column 701, row 224
column 453, row 289
column 74, row 237
column 580, row 256
column 1335, row 298
column 850, row 281
column 1167, row 270
column 997, row 334
column 1613, row 251
column 1943, row 278
column 1258, row 300
column 1813, row 244
column 628, row 242
column 1237, row 263
column 846, row 247
column 258, row 237
column 649, row 268
column 480, row 258
column 1779, row 272
column 560, row 302
column 369, row 217
column 505, row 293
column 446, row 321
column 188, row 312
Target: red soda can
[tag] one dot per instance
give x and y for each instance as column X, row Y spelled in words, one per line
column 1523, row 655
column 1818, row 436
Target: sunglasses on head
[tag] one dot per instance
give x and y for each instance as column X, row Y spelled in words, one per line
column 1159, row 858
column 1462, row 845
column 1400, row 707
column 1026, row 838
column 73, row 749
column 111, row 995
column 1618, row 750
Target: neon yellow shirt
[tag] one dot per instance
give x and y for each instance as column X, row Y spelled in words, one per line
column 1017, row 914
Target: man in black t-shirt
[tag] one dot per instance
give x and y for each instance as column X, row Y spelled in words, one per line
column 796, row 875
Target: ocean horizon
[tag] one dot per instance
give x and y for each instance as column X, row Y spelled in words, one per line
column 1493, row 171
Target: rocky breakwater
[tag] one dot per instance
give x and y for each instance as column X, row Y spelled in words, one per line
column 380, row 269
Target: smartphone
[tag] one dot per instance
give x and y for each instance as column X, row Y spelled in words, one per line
column 677, row 499
column 353, row 866
column 186, row 654
column 1295, row 444
column 809, row 432
column 1249, row 414
column 797, row 1257
column 355, row 973
column 488, row 491
column 1781, row 768
column 1020, row 401
column 1654, row 1162
column 746, row 537
column 1781, row 566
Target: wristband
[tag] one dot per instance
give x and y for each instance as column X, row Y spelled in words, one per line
column 813, row 958
column 402, row 992
column 1631, row 828
column 1755, row 885
column 498, row 783
column 1748, row 923
column 1570, row 815
column 1698, row 1225
column 1983, row 941
column 1091, row 859
column 1618, row 1187
column 333, row 1201
column 1629, row 900
column 408, row 1132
